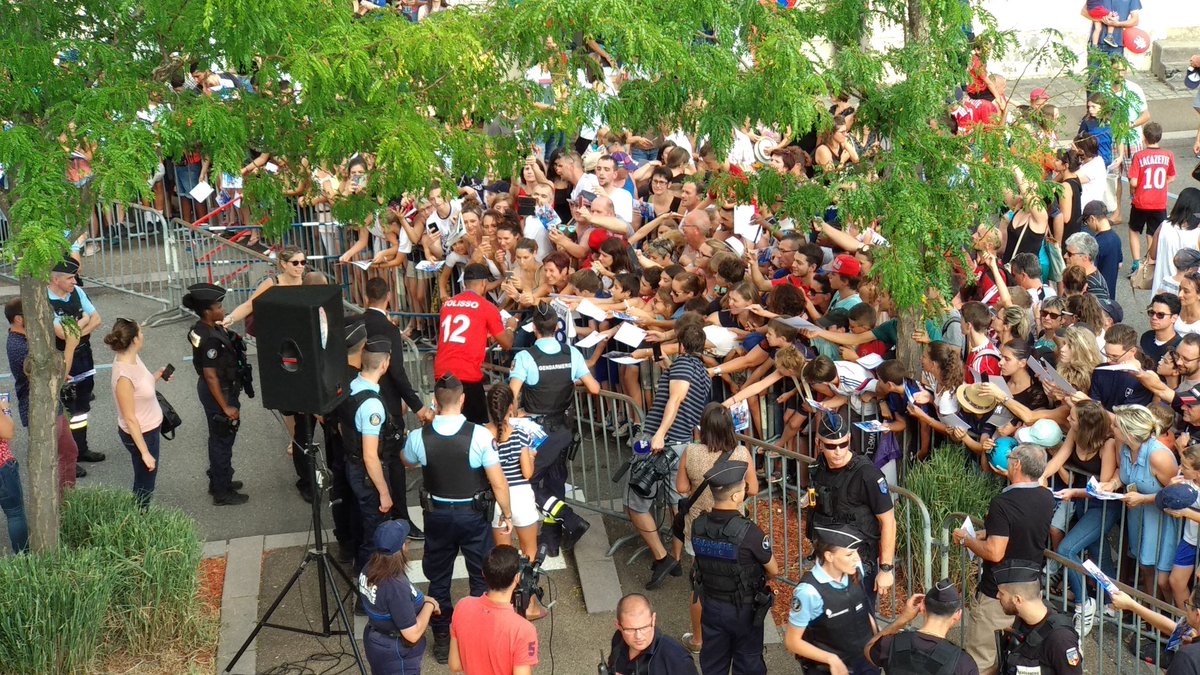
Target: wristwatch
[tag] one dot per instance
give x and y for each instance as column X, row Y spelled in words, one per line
column 885, row 567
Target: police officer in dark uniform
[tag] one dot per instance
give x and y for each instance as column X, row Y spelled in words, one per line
column 734, row 561
column 849, row 490
column 830, row 622
column 397, row 613
column 544, row 377
column 640, row 648
column 1039, row 638
column 219, row 384
column 343, row 505
column 925, row 651
column 68, row 301
column 361, row 419
column 461, row 464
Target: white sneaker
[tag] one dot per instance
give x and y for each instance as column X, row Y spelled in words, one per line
column 1085, row 617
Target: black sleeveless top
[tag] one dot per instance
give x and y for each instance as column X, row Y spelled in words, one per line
column 1075, row 224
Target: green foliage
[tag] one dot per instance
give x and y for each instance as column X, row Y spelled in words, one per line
column 154, row 555
column 50, row 610
column 946, row 485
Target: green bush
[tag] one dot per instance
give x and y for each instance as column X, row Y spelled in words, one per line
column 946, row 485
column 52, row 609
column 154, row 554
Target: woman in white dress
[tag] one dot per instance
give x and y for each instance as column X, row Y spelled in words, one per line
column 1180, row 230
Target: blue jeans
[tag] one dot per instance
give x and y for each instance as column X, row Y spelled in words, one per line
column 14, row 506
column 1089, row 532
column 143, row 478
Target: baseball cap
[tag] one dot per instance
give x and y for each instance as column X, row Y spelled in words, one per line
column 1113, row 309
column 1043, row 432
column 1095, row 209
column 845, row 265
column 1192, row 79
column 390, row 536
column 596, row 237
column 1038, row 93
column 1177, row 496
column 476, row 272
column 998, row 456
column 835, row 318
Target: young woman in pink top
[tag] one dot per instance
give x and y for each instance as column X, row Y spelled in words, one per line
column 139, row 415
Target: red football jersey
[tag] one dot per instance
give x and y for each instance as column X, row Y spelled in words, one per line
column 1153, row 168
column 464, row 325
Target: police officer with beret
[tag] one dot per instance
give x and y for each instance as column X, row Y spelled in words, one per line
column 343, row 505
column 925, row 651
column 849, row 490
column 1040, row 639
column 544, row 377
column 830, row 622
column 361, row 418
column 397, row 613
column 463, row 483
column 734, row 561
column 68, row 301
column 219, row 384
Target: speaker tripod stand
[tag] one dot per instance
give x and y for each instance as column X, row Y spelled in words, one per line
column 325, row 565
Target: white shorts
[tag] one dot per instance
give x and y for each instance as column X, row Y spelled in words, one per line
column 524, row 507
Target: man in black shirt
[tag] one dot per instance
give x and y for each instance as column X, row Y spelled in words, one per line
column 1116, row 383
column 1040, row 640
column 925, row 651
column 1017, row 526
column 639, row 647
column 1161, row 338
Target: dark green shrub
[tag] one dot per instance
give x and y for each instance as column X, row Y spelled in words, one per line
column 52, row 609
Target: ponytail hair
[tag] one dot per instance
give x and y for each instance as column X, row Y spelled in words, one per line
column 499, row 400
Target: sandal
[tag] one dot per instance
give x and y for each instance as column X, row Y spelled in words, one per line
column 691, row 646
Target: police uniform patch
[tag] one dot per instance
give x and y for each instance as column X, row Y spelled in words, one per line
column 766, row 544
column 883, row 485
column 1073, row 656
column 194, row 339
column 795, row 604
column 212, row 354
column 376, row 419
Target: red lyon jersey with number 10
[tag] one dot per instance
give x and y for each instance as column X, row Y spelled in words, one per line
column 464, row 325
column 1153, row 168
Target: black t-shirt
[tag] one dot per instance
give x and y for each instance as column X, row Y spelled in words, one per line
column 1023, row 515
column 1061, row 648
column 1155, row 351
column 925, row 644
column 1186, row 660
column 870, row 489
column 755, row 548
column 664, row 657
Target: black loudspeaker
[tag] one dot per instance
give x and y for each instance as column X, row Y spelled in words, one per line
column 301, row 348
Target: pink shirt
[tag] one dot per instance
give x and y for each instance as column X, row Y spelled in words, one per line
column 145, row 401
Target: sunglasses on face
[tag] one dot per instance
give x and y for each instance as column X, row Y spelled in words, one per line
column 1157, row 315
column 1051, row 315
column 297, row 263
column 835, row 446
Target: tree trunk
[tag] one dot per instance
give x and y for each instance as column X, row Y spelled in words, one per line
column 45, row 367
column 916, row 26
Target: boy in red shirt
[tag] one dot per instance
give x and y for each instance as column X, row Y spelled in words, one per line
column 487, row 636
column 1150, row 172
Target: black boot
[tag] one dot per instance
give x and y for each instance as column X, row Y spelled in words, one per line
column 230, row 497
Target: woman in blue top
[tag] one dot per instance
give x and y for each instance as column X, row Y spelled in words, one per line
column 1146, row 466
column 397, row 613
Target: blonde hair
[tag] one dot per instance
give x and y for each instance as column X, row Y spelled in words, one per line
column 790, row 359
column 1137, row 422
column 1085, row 356
column 1017, row 320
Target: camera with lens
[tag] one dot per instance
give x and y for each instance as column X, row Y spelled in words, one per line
column 645, row 475
column 528, row 576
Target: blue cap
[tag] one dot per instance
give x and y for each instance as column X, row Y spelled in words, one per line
column 1177, row 496
column 391, row 535
column 998, row 457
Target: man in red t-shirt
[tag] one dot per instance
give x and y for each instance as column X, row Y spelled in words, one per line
column 1150, row 172
column 487, row 636
column 465, row 323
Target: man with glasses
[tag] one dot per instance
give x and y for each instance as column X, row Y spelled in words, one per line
column 1116, row 383
column 638, row 646
column 1161, row 339
column 1027, row 273
column 1180, row 369
column 1081, row 250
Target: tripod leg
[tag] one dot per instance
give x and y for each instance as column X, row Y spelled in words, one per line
column 340, row 610
column 267, row 617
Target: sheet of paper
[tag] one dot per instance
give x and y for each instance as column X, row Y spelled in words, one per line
column 505, row 315
column 362, row 264
column 623, row 316
column 1094, row 491
column 1100, row 577
column 528, row 328
column 741, row 416
column 589, row 309
column 871, row 361
column 631, row 335
column 201, row 192
column 430, row 265
column 970, row 528
column 271, row 167
column 626, row 360
column 1058, row 380
column 743, row 223
column 953, row 421
column 800, row 323
column 812, row 403
column 999, row 382
column 591, row 340
column 872, row 426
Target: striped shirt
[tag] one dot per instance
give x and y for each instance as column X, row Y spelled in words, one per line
column 853, row 381
column 510, row 455
column 690, row 369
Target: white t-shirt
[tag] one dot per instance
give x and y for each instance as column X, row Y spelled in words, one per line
column 587, row 183
column 1185, row 328
column 1170, row 240
column 1097, row 175
column 1136, row 98
column 622, row 204
column 535, row 230
column 446, row 225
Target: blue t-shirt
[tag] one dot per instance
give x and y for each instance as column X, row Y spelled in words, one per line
column 1122, row 8
column 1103, row 133
column 369, row 417
column 1108, row 260
column 524, row 369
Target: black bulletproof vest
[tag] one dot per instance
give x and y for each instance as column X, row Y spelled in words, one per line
column 717, row 573
column 448, row 472
column 72, row 307
column 555, row 390
column 834, row 506
column 906, row 659
column 226, row 358
column 1027, row 650
column 352, row 440
column 844, row 626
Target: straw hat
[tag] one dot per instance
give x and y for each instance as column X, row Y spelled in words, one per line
column 975, row 399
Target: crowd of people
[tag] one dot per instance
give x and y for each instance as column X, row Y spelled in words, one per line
column 612, row 263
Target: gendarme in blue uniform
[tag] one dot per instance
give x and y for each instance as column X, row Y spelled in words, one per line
column 365, row 409
column 391, row 606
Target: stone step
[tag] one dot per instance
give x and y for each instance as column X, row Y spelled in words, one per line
column 1172, row 55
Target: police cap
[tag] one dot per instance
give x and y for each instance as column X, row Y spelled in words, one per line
column 379, row 344
column 729, row 472
column 356, row 332
column 840, row 536
column 476, row 272
column 448, row 381
column 202, row 296
column 390, row 536
column 1017, row 572
column 944, row 593
column 66, row 266
column 833, row 426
